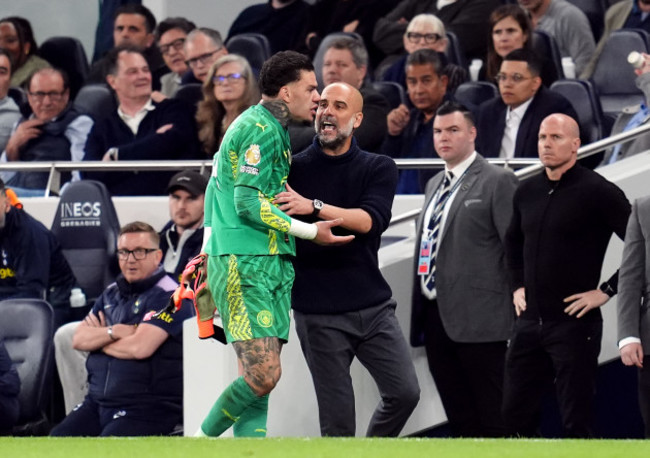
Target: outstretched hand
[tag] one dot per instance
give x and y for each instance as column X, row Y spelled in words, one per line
column 292, row 203
column 325, row 235
column 581, row 303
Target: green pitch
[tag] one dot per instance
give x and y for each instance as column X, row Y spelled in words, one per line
column 167, row 447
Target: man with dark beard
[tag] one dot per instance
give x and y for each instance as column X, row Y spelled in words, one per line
column 342, row 305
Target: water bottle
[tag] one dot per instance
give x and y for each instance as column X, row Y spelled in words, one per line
column 77, row 298
column 635, row 59
column 569, row 68
column 77, row 304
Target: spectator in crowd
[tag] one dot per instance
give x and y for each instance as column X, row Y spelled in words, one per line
column 203, row 46
column 463, row 323
column 134, row 26
column 280, row 21
column 631, row 117
column 358, row 17
column 9, row 390
column 182, row 236
column 410, row 132
column 511, row 29
column 17, row 37
column 353, row 313
column 170, row 37
column 140, row 128
column 229, row 88
column 508, row 124
column 626, row 14
column 55, row 131
column 180, row 241
column 425, row 31
column 135, row 369
column 346, row 60
column 562, row 223
column 567, row 25
column 32, row 262
column 9, row 111
column 465, row 18
column 633, row 331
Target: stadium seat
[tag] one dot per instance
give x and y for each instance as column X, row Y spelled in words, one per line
column 473, row 93
column 393, row 92
column 87, row 227
column 254, row 47
column 454, row 52
column 585, row 101
column 96, row 100
column 67, row 53
column 546, row 47
column 613, row 77
column 27, row 328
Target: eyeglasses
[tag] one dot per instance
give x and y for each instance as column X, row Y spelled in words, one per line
column 231, row 78
column 203, row 58
column 515, row 78
column 54, row 96
column 138, row 254
column 176, row 45
column 429, row 38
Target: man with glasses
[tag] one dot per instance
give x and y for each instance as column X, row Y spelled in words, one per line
column 203, row 46
column 140, row 128
column 55, row 131
column 135, row 367
column 170, row 36
column 508, row 124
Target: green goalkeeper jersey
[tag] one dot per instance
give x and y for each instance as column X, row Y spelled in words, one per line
column 249, row 169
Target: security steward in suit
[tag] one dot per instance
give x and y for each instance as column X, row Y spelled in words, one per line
column 462, row 310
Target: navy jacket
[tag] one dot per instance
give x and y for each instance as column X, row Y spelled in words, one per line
column 179, row 142
column 157, row 380
column 491, row 123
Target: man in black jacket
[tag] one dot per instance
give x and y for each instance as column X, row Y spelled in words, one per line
column 562, row 222
column 342, row 305
column 182, row 236
column 508, row 124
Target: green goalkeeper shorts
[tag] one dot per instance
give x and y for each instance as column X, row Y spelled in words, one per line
column 252, row 295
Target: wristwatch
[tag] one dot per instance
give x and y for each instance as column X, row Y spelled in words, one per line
column 109, row 330
column 318, row 206
column 112, row 153
column 607, row 289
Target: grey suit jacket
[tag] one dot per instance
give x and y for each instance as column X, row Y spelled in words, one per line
column 634, row 277
column 474, row 296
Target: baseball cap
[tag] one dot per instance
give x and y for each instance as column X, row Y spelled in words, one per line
column 189, row 180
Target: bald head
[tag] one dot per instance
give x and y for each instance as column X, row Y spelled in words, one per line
column 338, row 114
column 558, row 143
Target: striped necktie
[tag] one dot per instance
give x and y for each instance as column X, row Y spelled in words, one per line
column 434, row 228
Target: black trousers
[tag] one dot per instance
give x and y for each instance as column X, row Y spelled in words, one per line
column 373, row 335
column 560, row 352
column 90, row 419
column 469, row 378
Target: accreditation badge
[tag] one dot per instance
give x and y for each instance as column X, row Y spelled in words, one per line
column 424, row 260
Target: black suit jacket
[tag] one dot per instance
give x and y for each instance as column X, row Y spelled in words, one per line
column 492, row 123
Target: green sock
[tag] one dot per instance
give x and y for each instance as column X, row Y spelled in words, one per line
column 226, row 410
column 252, row 421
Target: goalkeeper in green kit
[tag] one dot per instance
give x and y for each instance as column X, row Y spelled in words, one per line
column 249, row 242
